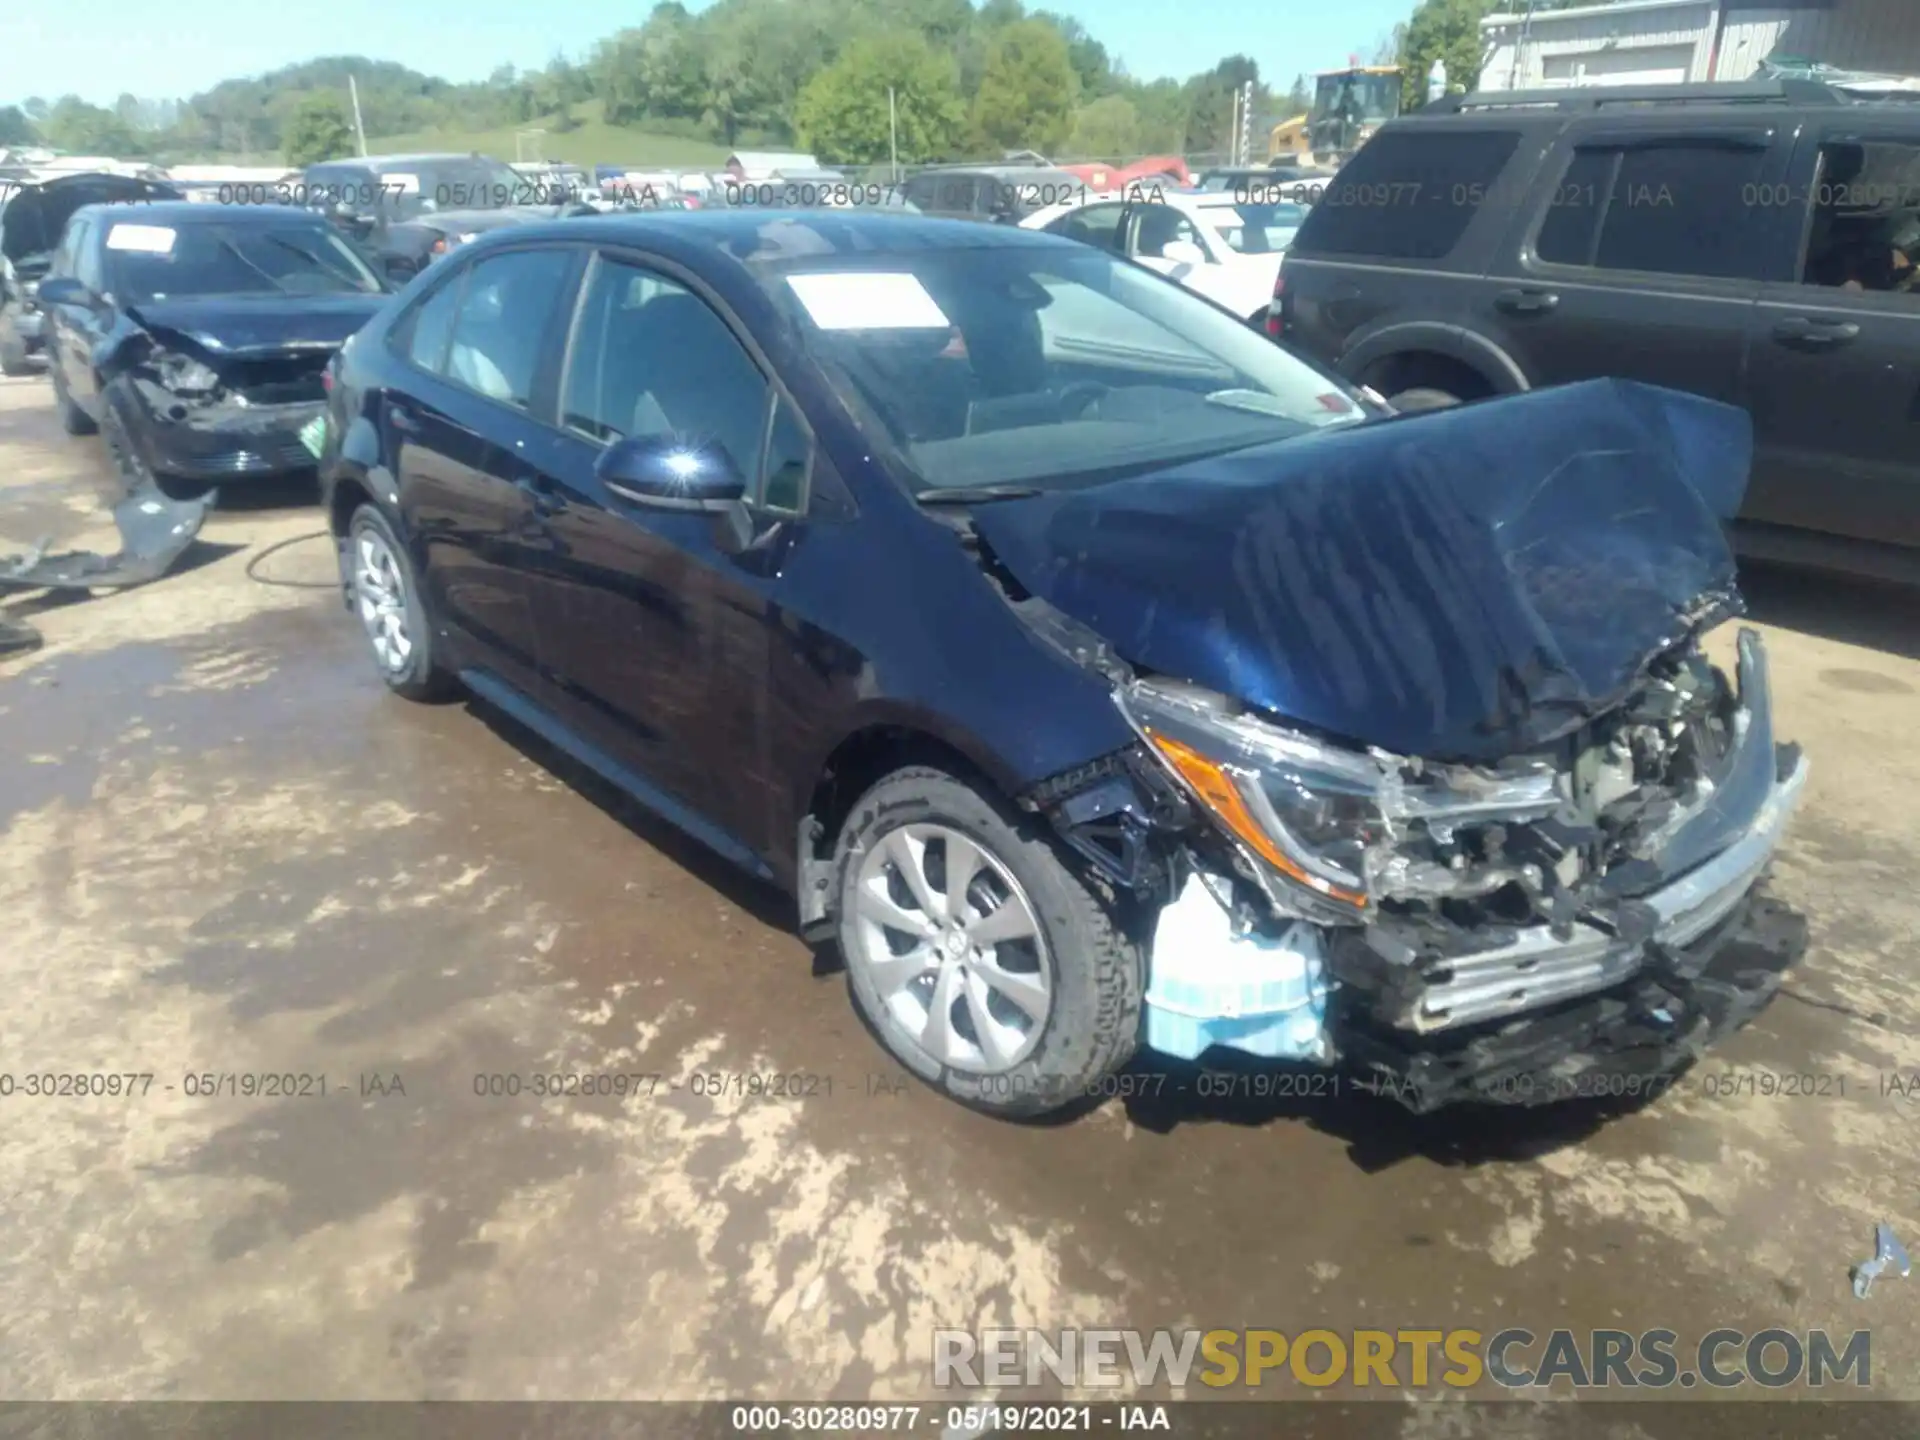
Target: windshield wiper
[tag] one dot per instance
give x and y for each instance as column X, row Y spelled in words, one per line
column 978, row 494
column 242, row 257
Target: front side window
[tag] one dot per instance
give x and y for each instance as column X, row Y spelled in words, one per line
column 649, row 358
column 1681, row 208
column 1044, row 365
column 1865, row 232
column 1160, row 226
column 88, row 267
column 505, row 311
column 159, row 262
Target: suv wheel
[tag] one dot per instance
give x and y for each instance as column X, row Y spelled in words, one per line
column 73, row 419
column 1423, row 398
column 984, row 963
column 386, row 597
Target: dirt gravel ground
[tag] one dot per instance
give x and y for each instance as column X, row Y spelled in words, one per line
column 224, row 849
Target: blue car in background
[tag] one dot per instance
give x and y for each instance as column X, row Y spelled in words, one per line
column 1098, row 676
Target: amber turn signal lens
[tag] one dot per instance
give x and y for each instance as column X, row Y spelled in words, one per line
column 1217, row 790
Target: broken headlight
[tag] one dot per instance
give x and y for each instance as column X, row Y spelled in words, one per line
column 185, row 376
column 1307, row 809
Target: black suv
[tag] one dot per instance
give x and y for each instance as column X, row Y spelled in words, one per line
column 1752, row 243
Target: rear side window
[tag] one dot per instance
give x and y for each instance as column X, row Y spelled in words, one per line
column 1407, row 195
column 505, row 312
column 1667, row 209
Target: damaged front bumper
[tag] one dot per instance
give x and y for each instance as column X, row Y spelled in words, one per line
column 221, row 439
column 1652, row 941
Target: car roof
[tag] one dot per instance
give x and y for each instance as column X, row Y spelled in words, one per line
column 187, row 212
column 1694, row 103
column 754, row 236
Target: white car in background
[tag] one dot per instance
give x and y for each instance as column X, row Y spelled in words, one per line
column 1229, row 251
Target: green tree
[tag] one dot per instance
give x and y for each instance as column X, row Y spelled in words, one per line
column 841, row 115
column 1446, row 30
column 1212, row 103
column 1106, row 129
column 1027, row 90
column 1299, row 98
column 15, row 127
column 1089, row 57
column 82, row 129
column 320, row 129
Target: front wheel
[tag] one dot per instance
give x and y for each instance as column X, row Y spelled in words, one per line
column 984, row 963
column 386, row 596
column 14, row 359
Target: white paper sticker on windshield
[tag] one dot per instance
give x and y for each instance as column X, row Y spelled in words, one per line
column 862, row 300
column 149, row 239
column 400, row 182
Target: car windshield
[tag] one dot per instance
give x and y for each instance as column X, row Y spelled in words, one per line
column 156, row 262
column 1045, row 365
column 1255, row 229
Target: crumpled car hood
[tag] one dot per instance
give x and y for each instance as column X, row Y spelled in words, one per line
column 1460, row 584
column 255, row 326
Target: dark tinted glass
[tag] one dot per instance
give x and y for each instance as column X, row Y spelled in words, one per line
column 293, row 259
column 504, row 313
column 788, row 453
column 1682, row 210
column 1408, row 194
column 1572, row 222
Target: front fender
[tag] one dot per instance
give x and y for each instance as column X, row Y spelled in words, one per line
column 1433, row 337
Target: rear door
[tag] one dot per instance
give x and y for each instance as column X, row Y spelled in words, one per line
column 1832, row 380
column 1641, row 253
column 478, row 344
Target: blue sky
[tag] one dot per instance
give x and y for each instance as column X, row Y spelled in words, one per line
column 99, row 49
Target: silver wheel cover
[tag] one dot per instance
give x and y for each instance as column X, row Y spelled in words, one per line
column 946, row 939
column 380, row 595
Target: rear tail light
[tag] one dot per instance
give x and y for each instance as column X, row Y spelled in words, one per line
column 326, row 380
column 1276, row 309
column 440, row 246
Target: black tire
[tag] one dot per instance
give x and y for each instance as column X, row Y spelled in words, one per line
column 1097, row 970
column 1423, row 398
column 73, row 419
column 419, row 677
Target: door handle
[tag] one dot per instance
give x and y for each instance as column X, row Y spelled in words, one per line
column 1526, row 302
column 1808, row 332
column 403, row 420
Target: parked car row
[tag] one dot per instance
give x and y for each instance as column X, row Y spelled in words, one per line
column 1026, row 615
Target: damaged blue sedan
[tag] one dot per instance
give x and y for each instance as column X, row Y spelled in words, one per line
column 1101, row 678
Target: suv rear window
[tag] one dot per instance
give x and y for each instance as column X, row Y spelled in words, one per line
column 1669, row 209
column 1408, row 194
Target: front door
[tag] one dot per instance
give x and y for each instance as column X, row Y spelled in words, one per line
column 1833, row 384
column 655, row 620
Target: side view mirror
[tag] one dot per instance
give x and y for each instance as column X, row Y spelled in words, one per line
column 663, row 473
column 64, row 290
column 1183, row 252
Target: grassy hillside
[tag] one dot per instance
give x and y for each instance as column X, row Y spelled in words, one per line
column 594, row 143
